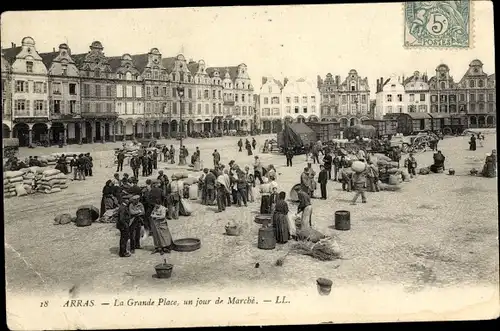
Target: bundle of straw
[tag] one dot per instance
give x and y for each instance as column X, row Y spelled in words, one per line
column 324, row 250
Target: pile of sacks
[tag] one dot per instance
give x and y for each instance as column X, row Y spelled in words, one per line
column 383, row 161
column 51, row 181
column 13, row 183
column 48, row 160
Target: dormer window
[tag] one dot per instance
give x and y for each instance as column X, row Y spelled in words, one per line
column 29, row 66
column 65, row 71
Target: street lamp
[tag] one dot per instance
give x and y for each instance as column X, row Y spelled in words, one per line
column 180, row 93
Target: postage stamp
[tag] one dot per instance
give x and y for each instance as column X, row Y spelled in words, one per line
column 437, row 24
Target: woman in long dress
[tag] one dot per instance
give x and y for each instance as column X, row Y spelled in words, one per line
column 108, row 199
column 162, row 238
column 265, row 197
column 280, row 220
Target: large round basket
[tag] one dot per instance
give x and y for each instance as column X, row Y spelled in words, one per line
column 233, row 230
column 324, row 286
column 164, row 270
column 85, row 215
column 187, row 245
column 262, row 218
column 358, row 166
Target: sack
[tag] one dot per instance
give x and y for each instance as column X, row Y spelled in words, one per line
column 385, row 187
column 5, row 181
column 358, row 166
column 29, row 175
column 181, row 175
column 393, row 180
column 34, row 169
column 64, row 186
column 185, row 208
column 12, row 174
column 310, row 234
column 190, row 180
column 20, row 191
column 55, row 189
column 28, row 182
column 405, row 175
column 28, row 188
column 62, row 219
column 193, row 192
column 392, row 171
column 51, row 172
column 15, row 180
column 24, row 170
column 424, row 171
column 40, row 170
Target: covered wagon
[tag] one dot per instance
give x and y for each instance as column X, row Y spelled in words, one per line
column 360, row 130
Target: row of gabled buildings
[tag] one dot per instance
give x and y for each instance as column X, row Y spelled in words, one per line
column 93, row 97
column 472, row 99
column 347, row 100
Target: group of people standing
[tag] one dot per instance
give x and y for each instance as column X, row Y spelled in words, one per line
column 248, row 146
column 473, row 141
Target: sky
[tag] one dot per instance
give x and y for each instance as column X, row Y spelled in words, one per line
column 276, row 41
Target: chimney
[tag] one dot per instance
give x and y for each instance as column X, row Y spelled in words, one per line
column 285, row 81
column 13, row 45
column 264, row 80
column 53, row 49
column 337, row 80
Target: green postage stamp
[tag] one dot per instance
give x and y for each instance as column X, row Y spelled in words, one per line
column 437, row 24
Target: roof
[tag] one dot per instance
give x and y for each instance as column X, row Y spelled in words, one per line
column 10, row 53
column 439, row 115
column 233, row 71
column 193, row 67
column 115, row 62
column 79, row 58
column 418, row 116
column 300, row 128
column 168, row 63
column 47, row 58
column 492, row 76
column 140, row 61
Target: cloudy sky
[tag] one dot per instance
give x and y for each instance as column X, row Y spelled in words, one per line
column 278, row 41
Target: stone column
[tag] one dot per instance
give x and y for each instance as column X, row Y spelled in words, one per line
column 65, row 137
column 112, row 129
column 143, row 130
column 93, row 131
column 103, row 131
column 80, row 128
column 30, row 137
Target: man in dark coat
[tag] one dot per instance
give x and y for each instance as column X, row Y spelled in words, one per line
column 122, row 224
column 289, row 153
column 121, row 158
column 240, row 145
column 135, row 164
column 155, row 159
column 210, row 180
column 254, row 143
column 322, row 180
column 90, row 164
column 216, row 156
column 145, row 165
column 328, row 161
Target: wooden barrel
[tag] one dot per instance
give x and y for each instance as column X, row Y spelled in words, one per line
column 263, row 219
column 266, row 238
column 342, row 220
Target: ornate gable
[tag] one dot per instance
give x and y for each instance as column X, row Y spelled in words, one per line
column 96, row 62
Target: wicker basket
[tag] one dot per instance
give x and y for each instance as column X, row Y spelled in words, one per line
column 164, row 270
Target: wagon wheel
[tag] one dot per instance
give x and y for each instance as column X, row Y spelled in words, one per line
column 420, row 147
column 447, row 130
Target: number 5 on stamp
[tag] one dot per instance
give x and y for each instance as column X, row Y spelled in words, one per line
column 437, row 24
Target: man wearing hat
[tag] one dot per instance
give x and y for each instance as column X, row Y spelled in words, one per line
column 136, row 211
column 123, row 224
column 411, row 165
column 257, row 168
column 174, row 198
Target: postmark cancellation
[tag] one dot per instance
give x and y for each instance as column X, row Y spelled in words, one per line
column 437, row 24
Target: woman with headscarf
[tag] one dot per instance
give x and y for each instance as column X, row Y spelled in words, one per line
column 108, row 200
column 265, row 197
column 472, row 143
column 280, row 220
column 162, row 238
column 490, row 165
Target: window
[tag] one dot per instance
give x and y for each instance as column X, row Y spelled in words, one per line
column 389, row 109
column 214, row 107
column 296, row 99
column 443, row 85
column 344, row 99
column 472, row 97
column 220, row 94
column 199, row 109
column 157, row 107
column 288, row 100
column 490, row 96
column 276, row 111
column 275, row 100
column 236, row 97
column 453, row 108
column 29, row 66
column 304, row 99
column 56, row 88
column 205, row 94
column 57, row 106
column 389, row 97
column 148, row 91
column 38, row 105
column 98, row 90
column 434, row 98
column 156, row 91
column 72, row 106
column 353, row 87
column 481, row 97
column 288, row 109
column 97, row 107
column 412, row 97
column 491, row 108
column 174, row 109
column 199, row 94
column 109, row 108
column 400, row 109
column 242, row 97
column 422, row 108
column 296, row 109
column 72, row 88
column 220, row 108
column 472, row 83
column 65, row 71
column 190, row 108
column 38, row 87
column 363, row 98
column 207, row 109
column 480, row 83
column 266, row 100
column 473, row 107
column 313, row 98
column 444, row 98
column 86, row 89
column 313, row 109
column 481, row 107
column 20, row 105
column 270, row 89
column 86, row 108
column 148, row 107
column 400, row 97
column 453, row 98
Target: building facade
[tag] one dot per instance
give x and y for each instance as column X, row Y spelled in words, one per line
column 417, row 96
column 390, row 97
column 473, row 98
column 82, row 98
column 348, row 101
column 29, row 82
column 64, row 95
column 270, row 99
column 301, row 101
